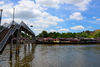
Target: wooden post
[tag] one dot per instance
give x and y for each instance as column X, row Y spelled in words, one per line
column 19, row 33
column 25, row 37
column 11, row 49
column 17, row 45
column 29, row 39
column 33, row 38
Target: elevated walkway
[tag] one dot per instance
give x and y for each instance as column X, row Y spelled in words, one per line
column 7, row 33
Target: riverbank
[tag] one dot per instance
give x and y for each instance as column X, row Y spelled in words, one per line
column 78, row 40
column 68, row 43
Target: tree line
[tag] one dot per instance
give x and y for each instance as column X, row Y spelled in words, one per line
column 86, row 34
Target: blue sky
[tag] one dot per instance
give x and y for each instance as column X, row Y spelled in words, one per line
column 54, row 15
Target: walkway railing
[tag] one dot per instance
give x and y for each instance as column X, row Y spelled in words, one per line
column 10, row 32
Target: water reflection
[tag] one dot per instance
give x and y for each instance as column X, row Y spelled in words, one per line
column 28, row 56
column 22, row 59
column 56, row 55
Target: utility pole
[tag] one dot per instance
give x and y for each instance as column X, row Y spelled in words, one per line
column 13, row 14
column 0, row 15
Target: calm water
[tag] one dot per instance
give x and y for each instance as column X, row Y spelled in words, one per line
column 55, row 55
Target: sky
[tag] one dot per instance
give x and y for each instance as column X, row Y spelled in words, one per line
column 53, row 15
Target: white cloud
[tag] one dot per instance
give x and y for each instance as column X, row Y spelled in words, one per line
column 59, row 27
column 1, row 2
column 73, row 23
column 38, row 30
column 41, row 25
column 52, row 30
column 63, row 15
column 98, row 19
column 6, row 20
column 89, row 27
column 81, row 4
column 95, row 4
column 7, row 10
column 79, row 27
column 25, row 9
column 29, row 9
column 47, row 21
column 60, row 30
column 16, row 20
column 49, row 3
column 76, row 16
column 54, row 18
column 63, row 30
column 67, row 18
column 94, row 17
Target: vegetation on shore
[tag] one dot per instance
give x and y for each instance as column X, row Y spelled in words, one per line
column 86, row 34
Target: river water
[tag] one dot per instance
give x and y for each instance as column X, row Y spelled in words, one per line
column 52, row 55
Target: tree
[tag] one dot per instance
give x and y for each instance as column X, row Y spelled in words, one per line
column 43, row 34
column 53, row 34
column 50, row 34
column 69, row 34
column 63, row 35
column 88, row 32
column 78, row 34
column 84, row 35
column 23, row 34
column 97, row 34
column 73, row 34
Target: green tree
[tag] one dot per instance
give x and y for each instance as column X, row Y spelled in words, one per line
column 88, row 32
column 23, row 34
column 78, row 34
column 53, row 34
column 50, row 34
column 84, row 35
column 97, row 34
column 63, row 34
column 69, row 34
column 43, row 34
column 73, row 34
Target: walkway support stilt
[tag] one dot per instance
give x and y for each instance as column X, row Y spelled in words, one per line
column 11, row 44
column 18, row 40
